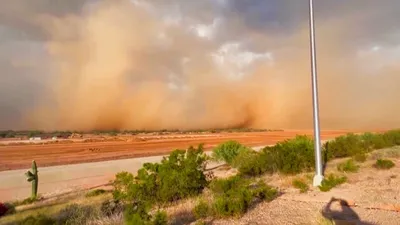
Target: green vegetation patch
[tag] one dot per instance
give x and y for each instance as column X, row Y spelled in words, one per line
column 228, row 151
column 301, row 185
column 384, row 164
column 348, row 166
column 233, row 196
column 331, row 181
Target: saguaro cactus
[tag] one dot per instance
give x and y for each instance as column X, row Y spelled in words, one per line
column 33, row 177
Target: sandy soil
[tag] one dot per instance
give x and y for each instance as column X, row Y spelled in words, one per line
column 373, row 196
column 79, row 151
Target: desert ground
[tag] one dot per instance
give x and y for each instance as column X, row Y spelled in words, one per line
column 18, row 155
column 70, row 165
column 371, row 194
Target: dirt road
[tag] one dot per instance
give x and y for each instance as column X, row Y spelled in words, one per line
column 20, row 156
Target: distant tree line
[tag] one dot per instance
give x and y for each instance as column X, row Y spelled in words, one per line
column 115, row 132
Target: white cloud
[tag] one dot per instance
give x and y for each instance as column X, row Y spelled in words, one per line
column 206, row 31
column 230, row 57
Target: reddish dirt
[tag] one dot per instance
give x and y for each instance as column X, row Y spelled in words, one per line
column 51, row 154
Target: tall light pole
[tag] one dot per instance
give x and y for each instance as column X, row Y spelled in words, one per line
column 317, row 140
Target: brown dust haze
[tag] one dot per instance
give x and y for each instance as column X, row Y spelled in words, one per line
column 117, row 66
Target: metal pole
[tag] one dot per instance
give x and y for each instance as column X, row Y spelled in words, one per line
column 317, row 142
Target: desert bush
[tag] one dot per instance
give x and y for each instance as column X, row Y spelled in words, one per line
column 138, row 214
column 391, row 138
column 348, row 166
column 7, row 134
column 291, row 156
column 160, row 218
column 39, row 219
column 34, row 133
column 234, row 195
column 228, row 151
column 344, row 146
column 253, row 163
column 221, row 186
column 301, row 185
column 123, row 186
column 264, row 192
column 372, row 141
column 384, row 164
column 76, row 214
column 95, row 192
column 360, row 157
column 234, row 203
column 111, row 207
column 331, row 181
column 202, row 210
column 178, row 176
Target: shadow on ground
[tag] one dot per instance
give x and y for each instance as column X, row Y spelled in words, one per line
column 343, row 216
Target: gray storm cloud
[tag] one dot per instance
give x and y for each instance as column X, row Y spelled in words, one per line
column 151, row 64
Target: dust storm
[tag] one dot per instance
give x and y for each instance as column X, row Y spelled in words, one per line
column 118, row 65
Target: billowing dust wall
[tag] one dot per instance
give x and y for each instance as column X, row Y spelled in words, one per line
column 179, row 65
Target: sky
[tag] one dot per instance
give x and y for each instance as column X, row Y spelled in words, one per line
column 178, row 64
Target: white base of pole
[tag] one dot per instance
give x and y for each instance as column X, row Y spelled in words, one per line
column 317, row 180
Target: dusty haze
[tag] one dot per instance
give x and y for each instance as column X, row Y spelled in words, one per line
column 116, row 65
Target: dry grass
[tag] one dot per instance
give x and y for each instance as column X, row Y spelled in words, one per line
column 113, row 220
column 393, row 152
column 51, row 208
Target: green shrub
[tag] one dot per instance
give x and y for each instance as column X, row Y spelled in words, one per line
column 228, row 151
column 291, row 156
column 360, row 157
column 76, row 214
column 178, row 176
column 331, row 181
column 263, row 192
column 392, row 138
column 348, row 166
column 95, row 192
column 234, row 195
column 384, row 164
column 137, row 214
column 234, row 203
column 123, row 186
column 160, row 218
column 301, row 185
column 202, row 210
column 344, row 146
column 7, row 134
column 253, row 163
column 372, row 141
column 39, row 219
column 134, row 219
column 221, row 186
